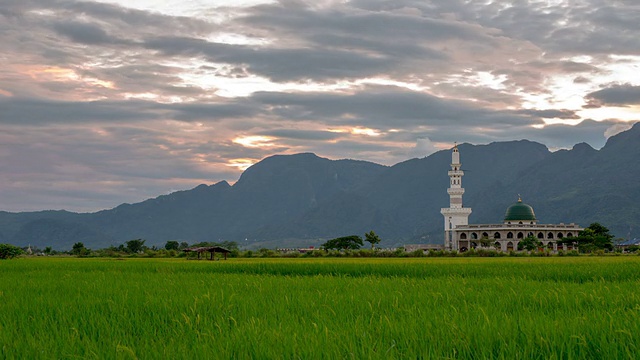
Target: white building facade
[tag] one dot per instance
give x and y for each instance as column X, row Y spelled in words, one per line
column 456, row 215
column 519, row 222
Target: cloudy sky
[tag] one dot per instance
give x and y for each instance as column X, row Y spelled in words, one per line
column 111, row 101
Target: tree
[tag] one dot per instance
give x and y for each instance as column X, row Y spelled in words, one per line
column 530, row 243
column 135, row 246
column 79, row 249
column 184, row 245
column 592, row 238
column 596, row 229
column 372, row 238
column 352, row 242
column 8, row 251
column 172, row 245
column 48, row 250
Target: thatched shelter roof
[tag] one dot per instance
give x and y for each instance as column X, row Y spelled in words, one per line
column 200, row 249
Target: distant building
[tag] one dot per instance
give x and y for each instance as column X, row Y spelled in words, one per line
column 519, row 222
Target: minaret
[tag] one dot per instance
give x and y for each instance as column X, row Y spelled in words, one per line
column 455, row 214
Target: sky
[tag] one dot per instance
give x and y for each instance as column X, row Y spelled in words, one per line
column 109, row 101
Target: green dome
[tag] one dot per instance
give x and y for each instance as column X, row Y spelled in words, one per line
column 520, row 212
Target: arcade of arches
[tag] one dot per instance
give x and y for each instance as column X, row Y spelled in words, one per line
column 519, row 223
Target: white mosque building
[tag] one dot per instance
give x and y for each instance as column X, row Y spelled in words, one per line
column 519, row 222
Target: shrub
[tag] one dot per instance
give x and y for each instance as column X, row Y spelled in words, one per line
column 8, row 251
column 416, row 253
column 291, row 254
column 400, row 252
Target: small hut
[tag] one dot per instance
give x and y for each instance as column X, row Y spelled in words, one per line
column 210, row 249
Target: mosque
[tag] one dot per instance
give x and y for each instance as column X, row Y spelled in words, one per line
column 519, row 222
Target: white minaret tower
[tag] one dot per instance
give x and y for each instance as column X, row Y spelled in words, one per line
column 455, row 214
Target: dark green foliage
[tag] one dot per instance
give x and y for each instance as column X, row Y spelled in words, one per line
column 530, row 243
column 172, row 245
column 79, row 249
column 352, row 242
column 8, row 251
column 135, row 246
column 372, row 238
column 593, row 238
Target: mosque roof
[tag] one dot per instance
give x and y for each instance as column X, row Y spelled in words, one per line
column 519, row 212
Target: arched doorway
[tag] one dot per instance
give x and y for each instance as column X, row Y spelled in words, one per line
column 509, row 246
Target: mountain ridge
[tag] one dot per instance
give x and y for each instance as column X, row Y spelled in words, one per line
column 302, row 199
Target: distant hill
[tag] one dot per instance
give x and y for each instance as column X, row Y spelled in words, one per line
column 302, row 199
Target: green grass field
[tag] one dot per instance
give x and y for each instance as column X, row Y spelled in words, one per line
column 428, row 308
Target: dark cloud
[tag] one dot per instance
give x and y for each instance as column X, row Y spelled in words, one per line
column 278, row 64
column 39, row 111
column 385, row 107
column 84, row 33
column 616, row 95
column 302, row 134
column 551, row 114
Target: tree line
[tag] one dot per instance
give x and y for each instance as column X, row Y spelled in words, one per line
column 594, row 238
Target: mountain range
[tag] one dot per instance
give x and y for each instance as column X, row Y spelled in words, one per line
column 303, row 199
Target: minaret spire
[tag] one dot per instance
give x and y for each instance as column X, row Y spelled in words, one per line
column 456, row 214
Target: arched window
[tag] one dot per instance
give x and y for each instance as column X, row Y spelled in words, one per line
column 569, row 235
column 520, row 223
column 463, row 236
column 550, row 245
column 509, row 235
column 550, row 235
column 530, row 234
column 520, row 235
column 474, row 245
column 474, row 236
column 496, row 235
column 540, row 235
column 485, row 235
column 497, row 245
column 560, row 236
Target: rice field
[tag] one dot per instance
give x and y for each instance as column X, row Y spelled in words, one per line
column 336, row 308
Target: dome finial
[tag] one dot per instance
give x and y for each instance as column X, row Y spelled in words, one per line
column 519, row 198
